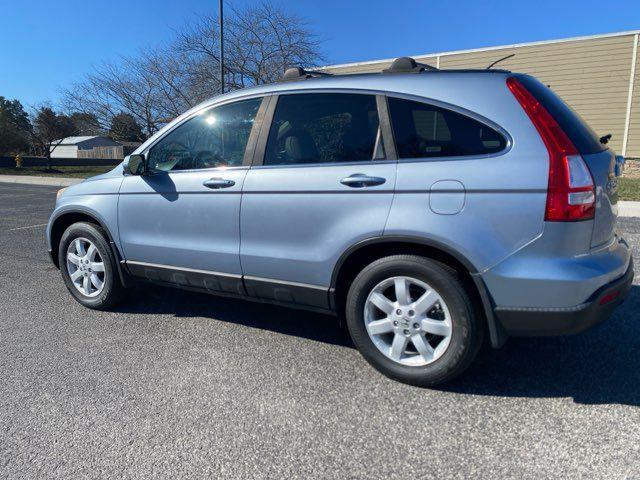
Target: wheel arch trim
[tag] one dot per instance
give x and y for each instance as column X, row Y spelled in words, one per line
column 399, row 239
column 496, row 334
column 96, row 218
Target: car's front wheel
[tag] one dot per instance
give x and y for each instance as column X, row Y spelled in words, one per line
column 88, row 266
column 413, row 320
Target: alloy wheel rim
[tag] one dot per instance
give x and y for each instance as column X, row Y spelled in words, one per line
column 408, row 321
column 86, row 267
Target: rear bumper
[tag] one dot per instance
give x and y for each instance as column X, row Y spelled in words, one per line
column 532, row 321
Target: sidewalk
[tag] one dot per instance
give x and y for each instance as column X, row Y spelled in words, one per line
column 33, row 180
column 625, row 209
column 628, row 209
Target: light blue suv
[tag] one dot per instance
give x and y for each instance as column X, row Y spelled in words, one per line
column 426, row 207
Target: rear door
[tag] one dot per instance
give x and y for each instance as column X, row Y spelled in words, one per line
column 323, row 179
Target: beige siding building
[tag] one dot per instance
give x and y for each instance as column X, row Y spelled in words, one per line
column 599, row 76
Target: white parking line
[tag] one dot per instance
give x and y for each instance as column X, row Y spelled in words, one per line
column 30, row 226
column 20, row 194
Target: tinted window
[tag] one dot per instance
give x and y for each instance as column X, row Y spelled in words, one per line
column 215, row 138
column 323, row 128
column 423, row 130
column 580, row 134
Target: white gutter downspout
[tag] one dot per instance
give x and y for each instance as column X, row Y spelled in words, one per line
column 632, row 77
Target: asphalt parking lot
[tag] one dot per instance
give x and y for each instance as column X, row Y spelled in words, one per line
column 178, row 384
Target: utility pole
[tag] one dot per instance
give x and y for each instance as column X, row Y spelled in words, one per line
column 221, row 46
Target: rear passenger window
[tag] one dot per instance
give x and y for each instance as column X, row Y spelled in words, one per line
column 423, row 130
column 324, row 128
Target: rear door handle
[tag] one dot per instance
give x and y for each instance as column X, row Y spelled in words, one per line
column 217, row 183
column 360, row 180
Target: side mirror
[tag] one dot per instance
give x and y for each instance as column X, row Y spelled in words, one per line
column 135, row 165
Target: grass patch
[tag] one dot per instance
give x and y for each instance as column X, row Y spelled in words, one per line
column 629, row 189
column 56, row 171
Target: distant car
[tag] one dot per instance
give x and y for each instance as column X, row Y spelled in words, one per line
column 427, row 207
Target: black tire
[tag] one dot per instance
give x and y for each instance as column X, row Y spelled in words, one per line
column 467, row 332
column 112, row 291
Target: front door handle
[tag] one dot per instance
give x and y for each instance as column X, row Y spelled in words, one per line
column 360, row 180
column 217, row 183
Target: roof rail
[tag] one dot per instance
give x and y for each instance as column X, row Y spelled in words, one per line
column 407, row 65
column 299, row 73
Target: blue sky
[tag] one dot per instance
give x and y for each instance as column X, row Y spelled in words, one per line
column 48, row 44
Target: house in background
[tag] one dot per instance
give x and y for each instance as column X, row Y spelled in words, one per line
column 92, row 147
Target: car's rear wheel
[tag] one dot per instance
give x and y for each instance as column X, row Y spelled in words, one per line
column 88, row 266
column 413, row 320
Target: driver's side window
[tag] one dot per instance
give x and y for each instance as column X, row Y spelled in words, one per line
column 215, row 138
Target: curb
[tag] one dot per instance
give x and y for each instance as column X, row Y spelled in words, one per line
column 33, row 180
column 629, row 209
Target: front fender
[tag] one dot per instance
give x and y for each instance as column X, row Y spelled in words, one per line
column 97, row 199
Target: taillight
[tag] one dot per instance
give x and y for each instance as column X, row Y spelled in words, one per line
column 570, row 191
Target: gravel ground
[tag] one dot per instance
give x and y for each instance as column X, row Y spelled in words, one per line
column 178, row 384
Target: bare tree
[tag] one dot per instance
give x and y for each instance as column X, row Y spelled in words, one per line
column 114, row 88
column 261, row 42
column 161, row 83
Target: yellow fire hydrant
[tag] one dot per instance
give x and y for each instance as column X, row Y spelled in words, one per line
column 18, row 161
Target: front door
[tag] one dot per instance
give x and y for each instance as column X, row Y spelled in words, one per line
column 179, row 223
column 324, row 182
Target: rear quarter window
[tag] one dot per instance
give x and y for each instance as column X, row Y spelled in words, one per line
column 578, row 131
column 424, row 130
